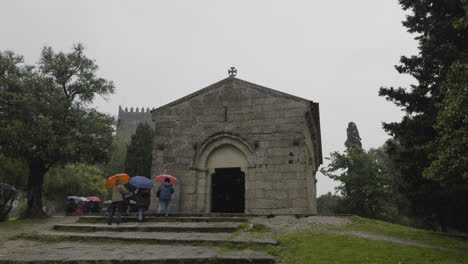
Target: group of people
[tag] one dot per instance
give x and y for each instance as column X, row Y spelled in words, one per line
column 81, row 207
column 141, row 197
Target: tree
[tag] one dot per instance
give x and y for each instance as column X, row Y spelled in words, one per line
column 366, row 183
column 449, row 159
column 7, row 197
column 77, row 179
column 117, row 157
column 353, row 140
column 45, row 118
column 13, row 172
column 440, row 45
column 327, row 204
column 139, row 152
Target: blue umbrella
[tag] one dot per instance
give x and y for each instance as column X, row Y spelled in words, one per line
column 74, row 198
column 141, row 182
column 7, row 186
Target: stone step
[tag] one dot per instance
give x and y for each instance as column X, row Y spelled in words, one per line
column 73, row 252
column 126, row 219
column 152, row 237
column 176, row 215
column 223, row 227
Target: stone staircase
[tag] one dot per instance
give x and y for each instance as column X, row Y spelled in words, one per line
column 182, row 239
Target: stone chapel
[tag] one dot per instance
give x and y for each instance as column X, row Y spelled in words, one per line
column 238, row 147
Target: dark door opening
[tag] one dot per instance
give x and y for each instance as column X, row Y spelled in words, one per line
column 228, row 191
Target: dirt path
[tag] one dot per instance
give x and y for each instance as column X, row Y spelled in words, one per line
column 377, row 237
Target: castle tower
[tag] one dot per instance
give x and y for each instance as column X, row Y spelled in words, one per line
column 128, row 121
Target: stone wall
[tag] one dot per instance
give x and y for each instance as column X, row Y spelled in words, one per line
column 128, row 120
column 267, row 126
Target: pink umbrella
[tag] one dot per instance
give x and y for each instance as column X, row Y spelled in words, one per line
column 162, row 177
column 94, row 199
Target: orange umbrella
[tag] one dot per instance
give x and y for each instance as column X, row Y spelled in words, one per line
column 112, row 181
column 160, row 178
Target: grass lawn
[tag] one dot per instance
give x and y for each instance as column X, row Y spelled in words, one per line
column 15, row 224
column 318, row 247
column 12, row 223
column 434, row 238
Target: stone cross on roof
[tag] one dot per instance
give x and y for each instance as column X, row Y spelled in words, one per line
column 232, row 72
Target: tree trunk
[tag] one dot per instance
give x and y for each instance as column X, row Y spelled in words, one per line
column 37, row 170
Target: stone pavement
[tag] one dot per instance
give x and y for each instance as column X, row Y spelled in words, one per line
column 69, row 252
column 134, row 242
column 157, row 237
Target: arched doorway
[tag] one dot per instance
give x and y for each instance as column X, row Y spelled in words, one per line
column 227, row 183
column 224, row 165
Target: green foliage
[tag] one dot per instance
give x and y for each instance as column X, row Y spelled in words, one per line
column 315, row 247
column 44, row 115
column 327, row 204
column 443, row 39
column 367, row 181
column 139, row 152
column 117, row 157
column 450, row 160
column 79, row 180
column 13, row 172
column 448, row 156
column 353, row 140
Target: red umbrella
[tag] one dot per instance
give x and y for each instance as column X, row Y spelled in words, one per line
column 162, row 177
column 94, row 199
column 112, row 181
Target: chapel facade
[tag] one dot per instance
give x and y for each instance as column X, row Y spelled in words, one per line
column 238, row 147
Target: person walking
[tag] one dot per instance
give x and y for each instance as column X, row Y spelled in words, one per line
column 70, row 206
column 164, row 194
column 118, row 194
column 142, row 198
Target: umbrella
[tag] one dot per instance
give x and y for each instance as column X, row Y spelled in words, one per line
column 132, row 202
column 73, row 197
column 7, row 186
column 94, row 199
column 108, row 202
column 84, row 199
column 112, row 181
column 161, row 178
column 141, row 182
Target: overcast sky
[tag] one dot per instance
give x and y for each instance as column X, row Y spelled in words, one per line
column 337, row 53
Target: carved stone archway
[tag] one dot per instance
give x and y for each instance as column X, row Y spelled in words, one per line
column 222, row 150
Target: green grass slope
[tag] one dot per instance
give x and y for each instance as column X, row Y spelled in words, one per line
column 458, row 241
column 319, row 246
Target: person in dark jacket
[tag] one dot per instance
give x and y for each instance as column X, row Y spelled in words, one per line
column 142, row 198
column 70, row 206
column 165, row 192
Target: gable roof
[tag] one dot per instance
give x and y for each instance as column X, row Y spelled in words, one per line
column 234, row 81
